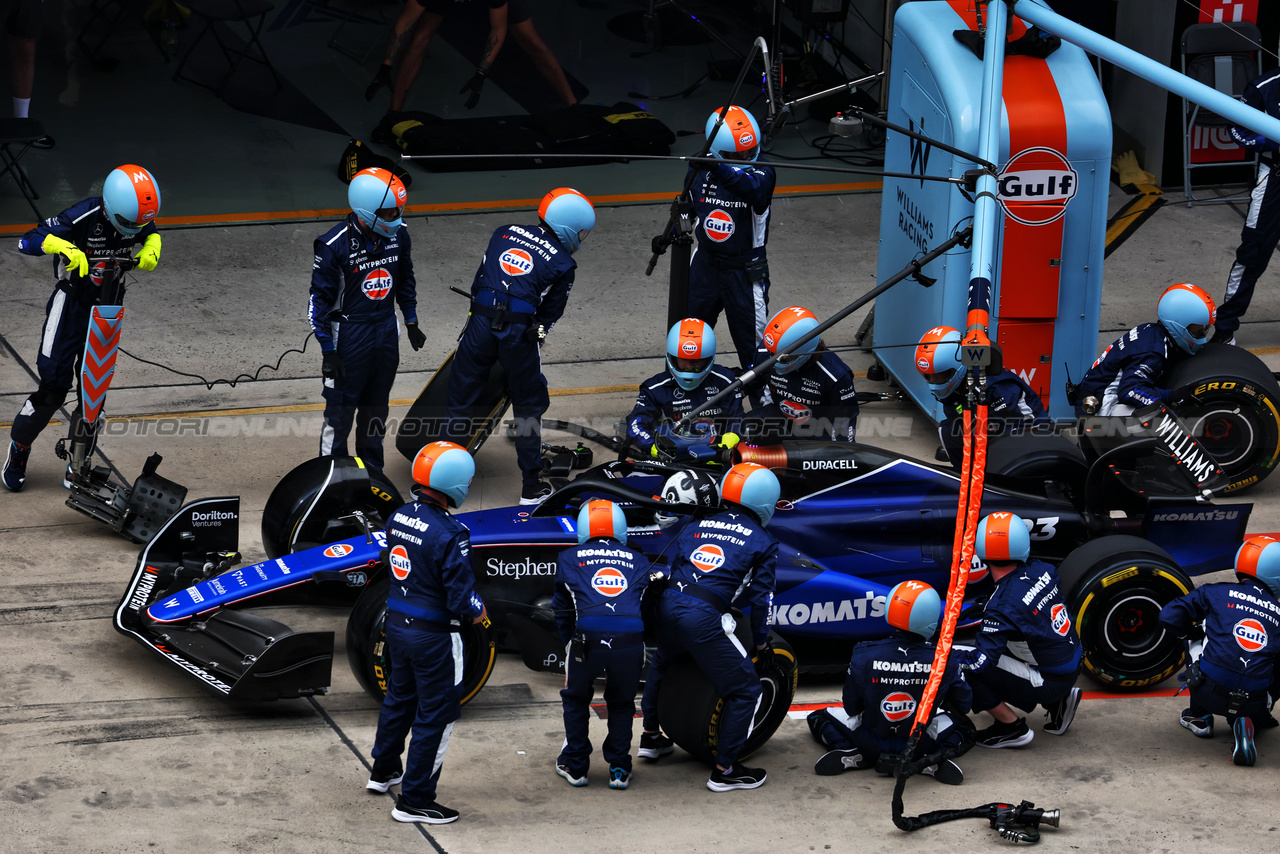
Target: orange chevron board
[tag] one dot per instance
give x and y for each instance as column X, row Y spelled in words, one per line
column 99, row 362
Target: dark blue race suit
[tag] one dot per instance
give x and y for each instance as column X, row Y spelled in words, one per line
column 1261, row 230
column 599, row 585
column 431, row 594
column 1241, row 624
column 815, row 401
column 882, row 690
column 523, row 282
column 1128, row 373
column 66, row 324
column 723, row 560
column 353, row 279
column 661, row 402
column 1027, row 652
column 730, row 270
column 1011, row 406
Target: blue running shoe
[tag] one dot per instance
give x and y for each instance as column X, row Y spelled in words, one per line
column 1245, row 753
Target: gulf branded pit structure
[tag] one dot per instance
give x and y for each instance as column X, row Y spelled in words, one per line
column 1053, row 183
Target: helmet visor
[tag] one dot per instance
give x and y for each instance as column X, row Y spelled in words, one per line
column 693, row 366
column 129, row 224
column 390, row 214
column 1197, row 330
column 941, row 378
column 745, row 155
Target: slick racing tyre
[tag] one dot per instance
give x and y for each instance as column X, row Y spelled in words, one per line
column 691, row 711
column 306, row 507
column 1231, row 403
column 1114, row 588
column 367, row 646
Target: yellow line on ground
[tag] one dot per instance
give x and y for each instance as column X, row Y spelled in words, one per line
column 1123, row 222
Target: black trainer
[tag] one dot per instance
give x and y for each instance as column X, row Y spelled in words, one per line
column 999, row 734
column 945, row 771
column 382, row 782
column 1062, row 713
column 432, row 813
column 838, row 761
column 737, row 777
column 655, row 745
column 14, row 474
column 535, row 493
column 1223, row 336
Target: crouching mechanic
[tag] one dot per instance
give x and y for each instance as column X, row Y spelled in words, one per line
column 519, row 292
column 1011, row 404
column 808, row 393
column 691, row 379
column 599, row 586
column 1237, row 631
column 885, row 684
column 82, row 237
column 360, row 264
column 431, row 594
column 1027, row 652
column 725, row 558
column 1128, row 374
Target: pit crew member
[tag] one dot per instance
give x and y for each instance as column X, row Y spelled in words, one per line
column 1011, row 403
column 1127, row 376
column 431, row 594
column 599, row 585
column 723, row 559
column 82, row 237
column 362, row 269
column 1235, row 629
column 519, row 292
column 884, row 686
column 1027, row 652
column 691, row 379
column 808, row 393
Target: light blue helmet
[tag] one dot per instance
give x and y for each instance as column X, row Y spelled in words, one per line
column 754, row 487
column 691, row 352
column 378, row 197
column 1003, row 538
column 783, row 330
column 1183, row 306
column 601, row 518
column 915, row 607
column 446, row 468
column 738, row 137
column 569, row 215
column 938, row 360
column 130, row 198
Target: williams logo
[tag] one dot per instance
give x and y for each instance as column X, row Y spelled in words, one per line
column 1036, row 185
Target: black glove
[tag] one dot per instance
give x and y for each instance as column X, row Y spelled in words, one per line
column 332, row 367
column 660, row 244
column 474, row 85
column 416, row 336
column 536, row 334
column 764, row 657
column 382, row 78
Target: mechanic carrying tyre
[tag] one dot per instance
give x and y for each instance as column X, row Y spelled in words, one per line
column 599, row 587
column 1027, row 652
column 1129, row 373
column 885, row 684
column 1235, row 638
column 1011, row 404
column 519, row 292
column 96, row 230
column 808, row 394
column 359, row 264
column 691, row 379
column 724, row 558
column 432, row 592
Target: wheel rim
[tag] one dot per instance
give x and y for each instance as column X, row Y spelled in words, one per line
column 1228, row 433
column 1131, row 627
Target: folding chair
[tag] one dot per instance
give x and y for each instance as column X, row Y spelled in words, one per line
column 111, row 14
column 1225, row 56
column 20, row 132
column 251, row 13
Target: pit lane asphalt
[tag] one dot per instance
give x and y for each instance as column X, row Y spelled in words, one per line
column 105, row 750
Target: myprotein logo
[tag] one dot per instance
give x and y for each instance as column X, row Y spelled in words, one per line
column 707, row 558
column 400, row 565
column 898, row 706
column 1250, row 635
column 1060, row 620
column 718, row 226
column 609, row 582
column 1036, row 185
column 338, row 550
column 515, row 262
column 377, row 284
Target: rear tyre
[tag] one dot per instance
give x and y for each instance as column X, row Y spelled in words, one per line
column 1115, row 588
column 304, row 508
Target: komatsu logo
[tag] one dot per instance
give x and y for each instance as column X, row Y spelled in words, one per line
column 410, row 522
column 802, row 613
column 1036, row 185
column 1200, row 516
column 1034, row 590
column 821, row 465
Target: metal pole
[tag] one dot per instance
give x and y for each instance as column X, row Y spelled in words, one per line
column 986, row 210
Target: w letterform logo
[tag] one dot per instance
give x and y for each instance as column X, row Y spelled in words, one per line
column 919, row 151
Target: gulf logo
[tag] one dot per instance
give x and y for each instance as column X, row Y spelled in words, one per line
column 797, row 412
column 1036, row 185
column 690, row 349
column 338, row 550
column 977, row 569
column 898, row 706
column 609, row 582
column 923, row 364
column 377, row 284
column 98, row 272
column 1250, row 635
column 719, row 226
column 515, row 262
column 747, row 140
column 400, row 565
column 707, row 558
column 1060, row 620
